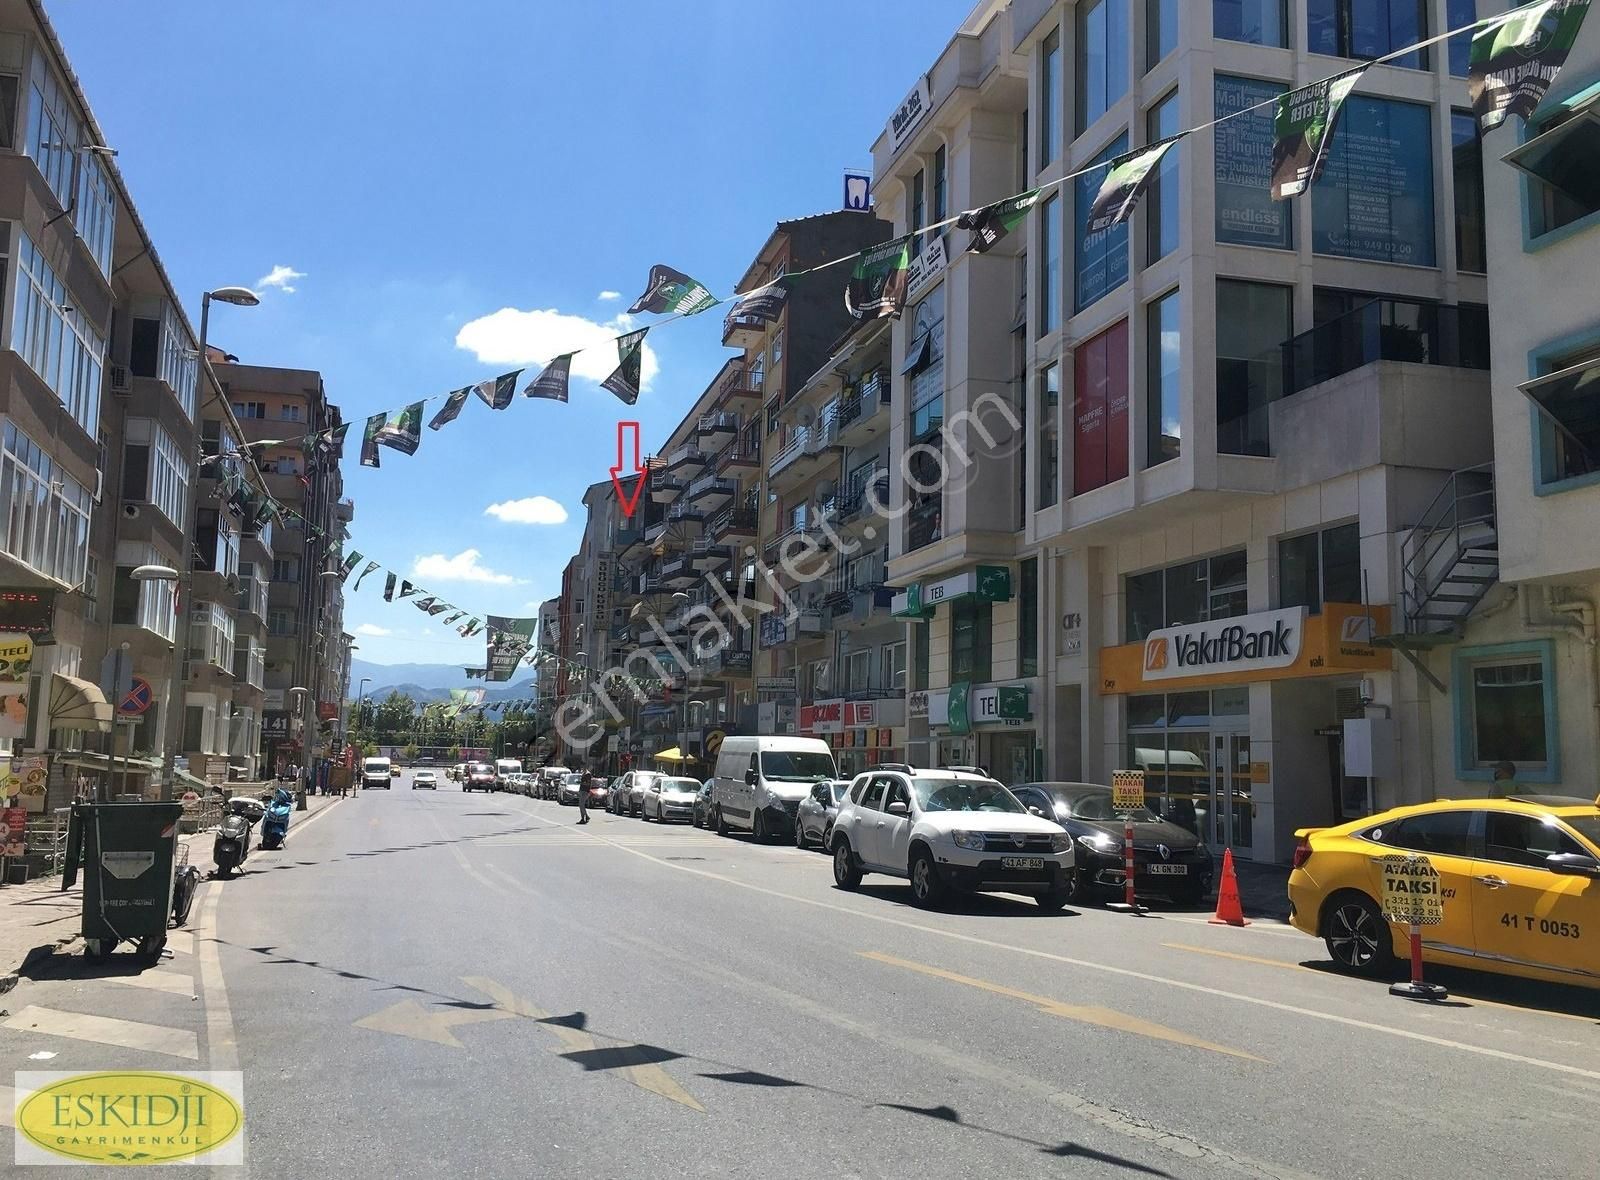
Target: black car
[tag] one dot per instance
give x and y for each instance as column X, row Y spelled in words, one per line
column 1168, row 860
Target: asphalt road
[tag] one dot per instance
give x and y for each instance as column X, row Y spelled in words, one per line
column 424, row 984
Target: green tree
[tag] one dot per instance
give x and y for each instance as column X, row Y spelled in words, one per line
column 410, row 752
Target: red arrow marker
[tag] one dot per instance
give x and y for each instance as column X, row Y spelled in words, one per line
column 630, row 504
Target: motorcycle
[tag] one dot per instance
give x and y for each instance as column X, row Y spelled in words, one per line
column 232, row 844
column 275, row 827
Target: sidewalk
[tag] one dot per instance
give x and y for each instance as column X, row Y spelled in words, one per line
column 37, row 919
column 1263, row 889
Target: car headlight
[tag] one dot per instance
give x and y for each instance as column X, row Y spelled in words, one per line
column 1100, row 842
column 1060, row 842
column 973, row 840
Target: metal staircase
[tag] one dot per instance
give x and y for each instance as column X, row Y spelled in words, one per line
column 1448, row 563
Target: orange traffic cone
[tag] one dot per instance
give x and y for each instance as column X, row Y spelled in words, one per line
column 1229, row 911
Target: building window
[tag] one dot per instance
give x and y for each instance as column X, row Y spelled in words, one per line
column 45, row 511
column 1367, row 29
column 1102, row 57
column 758, row 374
column 1320, row 567
column 1458, row 15
column 10, row 86
column 859, row 669
column 55, row 338
column 211, row 635
column 286, row 569
column 1375, row 198
column 1505, row 710
column 971, row 645
column 773, row 420
column 892, row 667
column 1466, row 158
column 155, row 470
column 1049, row 100
column 821, row 678
column 151, row 605
column 280, row 622
column 1160, row 30
column 1102, row 258
column 1162, row 198
column 919, row 670
column 290, row 412
column 1568, row 422
column 96, row 214
column 1190, row 592
column 54, row 133
column 941, row 187
column 1163, row 376
column 1100, row 412
column 777, row 349
column 1049, row 435
column 1049, row 255
column 161, row 349
column 243, row 410
column 927, row 379
column 1028, row 618
column 1258, row 22
column 1559, row 158
column 917, row 214
column 1254, row 320
column 1246, row 214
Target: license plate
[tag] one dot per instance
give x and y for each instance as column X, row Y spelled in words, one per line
column 1022, row 862
column 1169, row 870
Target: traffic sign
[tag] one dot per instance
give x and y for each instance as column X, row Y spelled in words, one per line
column 138, row 700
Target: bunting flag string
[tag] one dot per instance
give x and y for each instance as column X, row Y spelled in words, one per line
column 1303, row 129
column 672, row 291
column 1126, row 181
column 625, row 379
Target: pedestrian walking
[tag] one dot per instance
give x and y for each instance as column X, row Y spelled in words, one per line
column 583, row 797
column 1505, row 781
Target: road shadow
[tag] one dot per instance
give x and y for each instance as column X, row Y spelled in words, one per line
column 992, row 905
column 1466, row 986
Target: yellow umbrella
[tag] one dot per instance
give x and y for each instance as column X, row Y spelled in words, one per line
column 672, row 755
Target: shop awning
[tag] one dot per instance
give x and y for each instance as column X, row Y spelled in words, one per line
column 78, row 704
column 1570, row 399
column 674, row 755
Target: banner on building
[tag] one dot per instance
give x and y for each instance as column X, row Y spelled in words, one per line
column 1125, row 182
column 878, row 284
column 1513, row 63
column 671, row 291
column 1303, row 129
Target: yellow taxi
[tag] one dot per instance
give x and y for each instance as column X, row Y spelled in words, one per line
column 1520, row 880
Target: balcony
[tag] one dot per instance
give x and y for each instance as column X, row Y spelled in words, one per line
column 710, row 492
column 808, row 455
column 734, row 386
column 743, row 331
column 630, row 540
column 1404, row 330
column 250, row 663
column 687, row 461
column 708, row 555
column 678, row 573
column 732, row 521
column 665, row 488
column 715, row 429
column 212, row 636
column 739, row 455
column 862, row 413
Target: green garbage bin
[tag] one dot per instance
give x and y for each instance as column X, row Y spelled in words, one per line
column 127, row 851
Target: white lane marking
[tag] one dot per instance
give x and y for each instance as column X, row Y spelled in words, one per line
column 160, row 981
column 107, row 1030
column 466, row 868
column 1124, row 972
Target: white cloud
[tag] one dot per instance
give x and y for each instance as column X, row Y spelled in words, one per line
column 608, row 296
column 512, row 337
column 373, row 630
column 281, row 277
column 463, row 567
column 530, row 510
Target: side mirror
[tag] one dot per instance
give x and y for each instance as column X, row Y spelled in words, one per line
column 1572, row 864
column 898, row 807
column 750, row 778
column 1038, row 811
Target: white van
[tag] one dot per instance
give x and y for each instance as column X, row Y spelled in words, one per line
column 504, row 768
column 375, row 772
column 760, row 781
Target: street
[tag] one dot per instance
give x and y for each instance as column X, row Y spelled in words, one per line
column 431, row 982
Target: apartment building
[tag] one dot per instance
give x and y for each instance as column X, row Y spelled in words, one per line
column 1228, row 409
column 293, row 563
column 1515, row 677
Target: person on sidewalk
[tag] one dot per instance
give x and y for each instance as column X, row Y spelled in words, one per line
column 1505, row 781
column 583, row 797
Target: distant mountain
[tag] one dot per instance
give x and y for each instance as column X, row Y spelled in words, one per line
column 428, row 682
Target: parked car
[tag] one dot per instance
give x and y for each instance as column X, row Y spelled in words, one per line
column 814, row 818
column 944, row 830
column 669, row 798
column 480, row 777
column 761, row 780
column 599, row 793
column 424, row 780
column 550, row 780
column 567, row 792
column 1168, row 860
column 638, row 783
column 702, row 805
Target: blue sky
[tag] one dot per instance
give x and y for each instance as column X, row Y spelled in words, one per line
column 407, row 177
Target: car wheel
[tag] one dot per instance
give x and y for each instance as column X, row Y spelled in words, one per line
column 926, row 888
column 846, row 872
column 758, row 828
column 1055, row 900
column 722, row 824
column 1357, row 936
column 799, row 833
column 827, row 837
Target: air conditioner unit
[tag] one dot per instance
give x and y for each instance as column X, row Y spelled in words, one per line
column 121, row 379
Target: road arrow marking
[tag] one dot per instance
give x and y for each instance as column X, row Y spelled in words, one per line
column 410, row 1019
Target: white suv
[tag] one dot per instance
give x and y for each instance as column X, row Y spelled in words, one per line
column 947, row 829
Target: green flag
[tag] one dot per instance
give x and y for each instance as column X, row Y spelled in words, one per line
column 1303, row 129
column 403, row 432
column 993, row 222
column 625, row 378
column 672, row 291
column 498, row 392
column 1125, row 181
column 451, row 408
column 878, row 284
column 1513, row 62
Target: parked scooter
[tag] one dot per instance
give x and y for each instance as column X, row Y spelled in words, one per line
column 276, row 824
column 233, row 837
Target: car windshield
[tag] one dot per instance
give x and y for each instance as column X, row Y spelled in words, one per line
column 945, row 794
column 796, row 766
column 680, row 785
column 1096, row 805
column 840, row 790
column 1587, row 826
column 482, row 768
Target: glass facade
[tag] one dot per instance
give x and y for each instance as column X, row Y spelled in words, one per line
column 1245, row 211
column 1254, row 320
column 1374, row 200
column 1101, row 258
column 1259, row 22
column 1100, row 413
column 1102, row 57
column 1163, row 376
column 1368, row 29
column 1190, row 592
column 1162, row 198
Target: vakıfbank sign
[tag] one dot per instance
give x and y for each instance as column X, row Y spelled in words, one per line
column 1246, row 643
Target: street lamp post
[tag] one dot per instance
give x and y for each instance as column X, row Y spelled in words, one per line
column 361, row 700
column 299, row 695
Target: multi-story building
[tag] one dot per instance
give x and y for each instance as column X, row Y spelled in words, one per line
column 296, row 560
column 1229, row 408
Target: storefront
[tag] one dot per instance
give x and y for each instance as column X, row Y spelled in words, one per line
column 1240, row 723
column 874, row 733
column 988, row 725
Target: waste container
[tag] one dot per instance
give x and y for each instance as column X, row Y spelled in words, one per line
column 127, row 851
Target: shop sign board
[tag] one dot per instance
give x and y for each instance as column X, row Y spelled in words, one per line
column 1244, row 643
column 992, row 703
column 917, row 703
